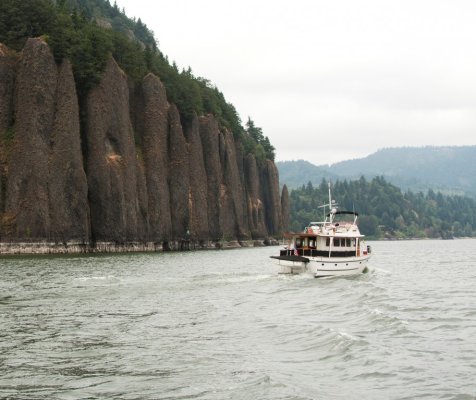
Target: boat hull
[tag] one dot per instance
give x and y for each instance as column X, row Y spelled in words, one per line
column 321, row 267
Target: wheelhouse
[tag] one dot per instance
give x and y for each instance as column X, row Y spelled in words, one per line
column 321, row 246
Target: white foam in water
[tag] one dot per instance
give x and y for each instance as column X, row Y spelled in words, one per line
column 376, row 269
column 98, row 279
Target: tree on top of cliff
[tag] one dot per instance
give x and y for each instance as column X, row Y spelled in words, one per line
column 102, row 12
column 263, row 147
column 20, row 20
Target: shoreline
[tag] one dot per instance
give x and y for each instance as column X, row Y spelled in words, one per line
column 38, row 248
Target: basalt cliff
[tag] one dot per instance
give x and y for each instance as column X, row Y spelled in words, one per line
column 121, row 172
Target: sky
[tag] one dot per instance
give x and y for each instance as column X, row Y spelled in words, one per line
column 327, row 80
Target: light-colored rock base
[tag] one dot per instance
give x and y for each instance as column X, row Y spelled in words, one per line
column 110, row 247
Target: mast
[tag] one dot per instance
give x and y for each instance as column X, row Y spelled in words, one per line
column 332, row 207
column 331, row 217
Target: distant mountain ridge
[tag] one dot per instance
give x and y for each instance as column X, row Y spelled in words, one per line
column 298, row 173
column 448, row 169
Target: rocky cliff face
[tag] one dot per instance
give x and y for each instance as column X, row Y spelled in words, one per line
column 255, row 205
column 112, row 161
column 7, row 76
column 179, row 179
column 285, row 207
column 155, row 129
column 198, row 208
column 27, row 200
column 67, row 183
column 46, row 191
column 234, row 221
column 270, row 194
column 139, row 175
column 210, row 135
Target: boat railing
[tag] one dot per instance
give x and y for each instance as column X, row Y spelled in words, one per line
column 316, row 253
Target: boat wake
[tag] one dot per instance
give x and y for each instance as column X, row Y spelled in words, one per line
column 96, row 280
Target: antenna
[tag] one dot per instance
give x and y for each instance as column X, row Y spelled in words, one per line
column 332, row 205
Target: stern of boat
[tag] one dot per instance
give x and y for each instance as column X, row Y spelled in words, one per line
column 291, row 264
column 291, row 267
column 329, row 267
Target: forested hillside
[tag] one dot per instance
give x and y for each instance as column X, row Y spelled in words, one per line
column 386, row 211
column 447, row 169
column 451, row 170
column 296, row 173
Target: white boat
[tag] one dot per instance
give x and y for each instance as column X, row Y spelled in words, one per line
column 334, row 247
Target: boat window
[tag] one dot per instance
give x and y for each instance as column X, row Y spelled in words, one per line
column 347, row 242
column 353, row 242
column 298, row 242
column 336, row 242
column 328, row 242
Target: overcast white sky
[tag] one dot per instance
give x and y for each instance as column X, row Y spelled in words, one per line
column 331, row 80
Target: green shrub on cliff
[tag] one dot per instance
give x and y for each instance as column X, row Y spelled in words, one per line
column 262, row 146
column 89, row 31
column 20, row 20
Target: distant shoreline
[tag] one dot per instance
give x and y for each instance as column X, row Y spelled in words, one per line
column 417, row 238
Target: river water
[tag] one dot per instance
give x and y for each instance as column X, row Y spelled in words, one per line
column 224, row 325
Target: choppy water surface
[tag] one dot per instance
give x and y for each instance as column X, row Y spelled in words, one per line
column 225, row 325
